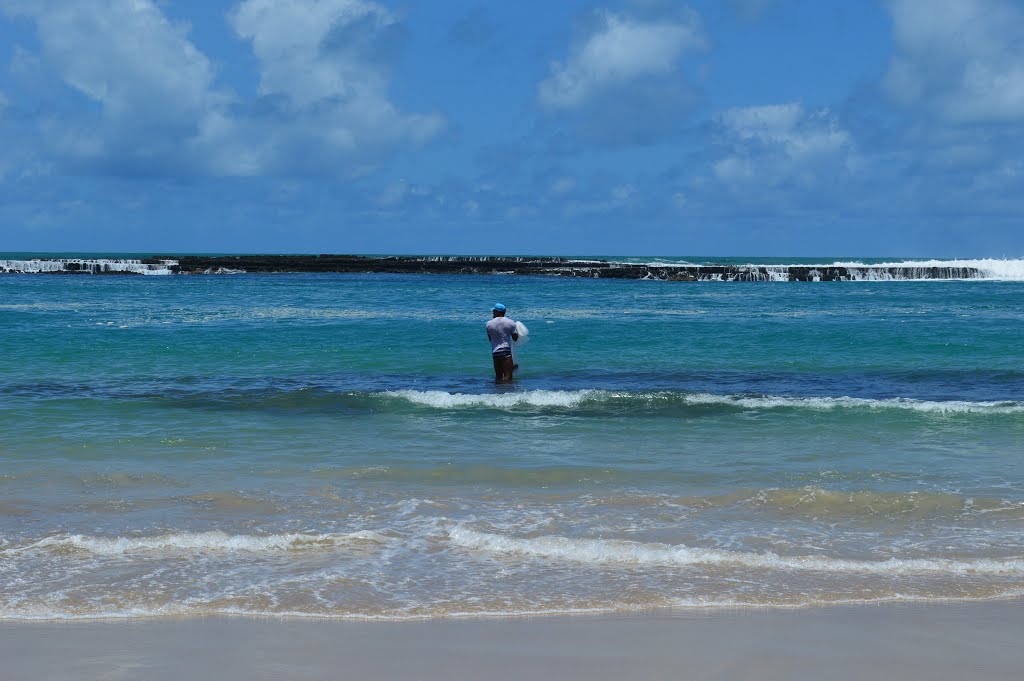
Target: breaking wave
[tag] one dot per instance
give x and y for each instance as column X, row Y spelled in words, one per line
column 440, row 399
column 989, row 268
column 88, row 266
column 568, row 399
column 853, row 270
column 636, row 553
column 198, row 542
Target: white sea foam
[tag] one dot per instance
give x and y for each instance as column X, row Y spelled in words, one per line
column 125, row 265
column 198, row 608
column 606, row 551
column 439, row 399
column 528, row 398
column 200, row 542
column 991, row 268
column 830, row 403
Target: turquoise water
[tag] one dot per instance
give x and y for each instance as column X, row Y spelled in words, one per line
column 334, row 445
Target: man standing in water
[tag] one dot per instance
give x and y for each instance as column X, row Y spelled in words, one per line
column 501, row 331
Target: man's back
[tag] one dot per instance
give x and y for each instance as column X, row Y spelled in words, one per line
column 499, row 331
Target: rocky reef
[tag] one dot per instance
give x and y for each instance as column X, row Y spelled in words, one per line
column 538, row 266
column 562, row 267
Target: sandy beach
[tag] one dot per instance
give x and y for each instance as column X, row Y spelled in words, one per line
column 891, row 641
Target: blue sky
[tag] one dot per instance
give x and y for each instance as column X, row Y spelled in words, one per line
column 643, row 127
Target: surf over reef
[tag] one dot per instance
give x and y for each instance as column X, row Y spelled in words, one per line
column 529, row 265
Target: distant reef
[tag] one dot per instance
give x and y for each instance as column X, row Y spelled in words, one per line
column 544, row 266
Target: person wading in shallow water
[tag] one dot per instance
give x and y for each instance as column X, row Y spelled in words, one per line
column 501, row 331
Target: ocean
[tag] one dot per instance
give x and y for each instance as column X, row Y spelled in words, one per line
column 333, row 445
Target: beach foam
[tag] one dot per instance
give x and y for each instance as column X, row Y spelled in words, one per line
column 636, row 553
column 199, row 542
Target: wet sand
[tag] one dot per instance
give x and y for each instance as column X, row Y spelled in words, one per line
column 891, row 641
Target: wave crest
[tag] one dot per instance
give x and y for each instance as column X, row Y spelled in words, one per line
column 202, row 542
column 830, row 403
column 440, row 399
column 568, row 399
column 991, row 268
column 636, row 553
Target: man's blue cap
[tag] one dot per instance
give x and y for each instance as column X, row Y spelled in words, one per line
column 498, row 307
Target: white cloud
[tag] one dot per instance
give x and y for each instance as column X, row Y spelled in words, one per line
column 287, row 38
column 802, row 135
column 621, row 50
column 961, row 59
column 139, row 67
column 317, row 62
column 323, row 105
column 781, row 142
column 733, row 169
column 126, row 55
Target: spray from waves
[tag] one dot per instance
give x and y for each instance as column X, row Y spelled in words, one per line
column 197, row 542
column 990, row 268
column 605, row 551
column 88, row 265
column 569, row 399
column 903, row 270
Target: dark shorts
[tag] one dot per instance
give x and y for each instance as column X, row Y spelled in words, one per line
column 501, row 354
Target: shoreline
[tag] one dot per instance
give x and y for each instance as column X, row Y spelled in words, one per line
column 710, row 609
column 940, row 641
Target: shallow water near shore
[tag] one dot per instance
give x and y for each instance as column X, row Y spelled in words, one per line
column 333, row 445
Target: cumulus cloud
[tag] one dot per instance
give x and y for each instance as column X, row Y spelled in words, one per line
column 323, row 104
column 958, row 70
column 803, row 135
column 622, row 81
column 619, row 51
column 962, row 60
column 153, row 87
column 322, row 66
column 95, row 46
column 781, row 143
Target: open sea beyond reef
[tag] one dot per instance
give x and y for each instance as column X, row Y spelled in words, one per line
column 334, row 445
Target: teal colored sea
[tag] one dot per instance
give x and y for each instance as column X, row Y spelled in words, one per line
column 334, row 445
